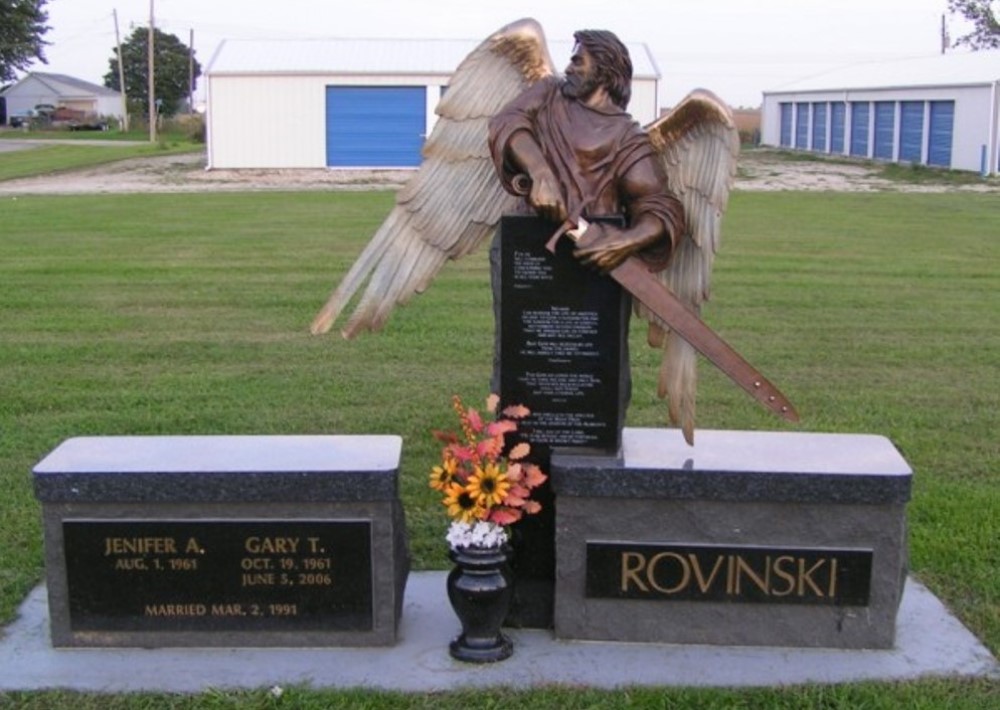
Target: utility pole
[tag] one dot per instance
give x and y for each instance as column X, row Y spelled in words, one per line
column 944, row 35
column 152, row 82
column 121, row 74
column 191, row 73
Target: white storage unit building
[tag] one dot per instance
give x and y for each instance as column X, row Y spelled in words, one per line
column 940, row 110
column 351, row 103
column 61, row 91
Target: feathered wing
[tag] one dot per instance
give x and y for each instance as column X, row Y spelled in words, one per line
column 454, row 200
column 699, row 145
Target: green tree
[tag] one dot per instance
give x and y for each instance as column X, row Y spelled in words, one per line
column 983, row 15
column 170, row 66
column 22, row 24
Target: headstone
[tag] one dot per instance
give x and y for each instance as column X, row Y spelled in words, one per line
column 562, row 345
column 563, row 342
column 747, row 538
column 223, row 540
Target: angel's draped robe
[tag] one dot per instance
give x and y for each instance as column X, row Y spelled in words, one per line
column 590, row 151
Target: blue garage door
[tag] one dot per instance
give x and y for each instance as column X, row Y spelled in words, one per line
column 837, row 115
column 911, row 131
column 939, row 145
column 374, row 126
column 885, row 120
column 819, row 127
column 859, row 128
column 786, row 125
column 801, row 125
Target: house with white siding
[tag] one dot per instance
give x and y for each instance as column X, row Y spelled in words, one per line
column 940, row 110
column 347, row 103
column 61, row 91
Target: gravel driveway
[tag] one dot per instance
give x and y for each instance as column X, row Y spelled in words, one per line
column 760, row 170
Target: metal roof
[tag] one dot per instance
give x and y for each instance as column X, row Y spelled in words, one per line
column 64, row 85
column 375, row 56
column 956, row 69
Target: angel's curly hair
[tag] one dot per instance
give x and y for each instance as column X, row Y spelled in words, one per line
column 614, row 66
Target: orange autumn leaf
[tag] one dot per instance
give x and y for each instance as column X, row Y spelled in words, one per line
column 445, row 437
column 514, row 500
column 516, row 411
column 519, row 451
column 532, row 506
column 489, row 448
column 462, row 453
column 475, row 421
column 504, row 516
column 492, row 402
column 501, row 427
column 533, row 475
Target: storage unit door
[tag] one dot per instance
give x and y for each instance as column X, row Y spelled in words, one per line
column 786, row 125
column 802, row 126
column 819, row 128
column 837, row 124
column 859, row 128
column 885, row 118
column 939, row 144
column 911, row 131
column 375, row 126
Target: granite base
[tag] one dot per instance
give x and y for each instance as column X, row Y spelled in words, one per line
column 748, row 538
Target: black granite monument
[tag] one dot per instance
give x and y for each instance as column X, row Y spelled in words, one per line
column 562, row 346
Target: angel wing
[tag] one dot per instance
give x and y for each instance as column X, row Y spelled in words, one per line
column 454, row 200
column 699, row 145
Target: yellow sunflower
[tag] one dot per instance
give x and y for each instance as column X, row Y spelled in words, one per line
column 462, row 506
column 444, row 475
column 489, row 485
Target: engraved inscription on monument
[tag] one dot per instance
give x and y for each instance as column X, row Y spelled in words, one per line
column 130, row 575
column 728, row 573
column 561, row 341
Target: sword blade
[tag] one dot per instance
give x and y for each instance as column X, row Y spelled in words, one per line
column 635, row 278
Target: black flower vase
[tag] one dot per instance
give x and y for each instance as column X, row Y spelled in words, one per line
column 479, row 589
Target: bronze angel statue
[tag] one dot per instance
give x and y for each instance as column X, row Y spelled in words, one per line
column 512, row 133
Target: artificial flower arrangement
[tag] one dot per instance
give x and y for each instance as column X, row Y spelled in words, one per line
column 485, row 489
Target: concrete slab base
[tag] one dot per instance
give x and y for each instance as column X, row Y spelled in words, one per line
column 929, row 642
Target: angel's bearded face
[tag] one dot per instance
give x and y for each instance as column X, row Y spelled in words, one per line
column 582, row 77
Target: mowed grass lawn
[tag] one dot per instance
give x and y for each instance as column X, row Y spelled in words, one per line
column 188, row 314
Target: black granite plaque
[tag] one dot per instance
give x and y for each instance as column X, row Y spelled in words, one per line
column 563, row 342
column 232, row 575
column 715, row 573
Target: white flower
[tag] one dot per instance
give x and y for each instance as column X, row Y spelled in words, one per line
column 277, row 691
column 478, row 534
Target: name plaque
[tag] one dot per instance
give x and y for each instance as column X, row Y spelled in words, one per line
column 715, row 573
column 232, row 575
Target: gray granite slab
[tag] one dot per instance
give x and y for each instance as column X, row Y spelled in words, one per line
column 930, row 642
column 742, row 466
column 161, row 469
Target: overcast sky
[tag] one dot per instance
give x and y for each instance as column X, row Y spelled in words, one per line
column 737, row 48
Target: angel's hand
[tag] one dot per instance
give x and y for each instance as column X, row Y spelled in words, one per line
column 605, row 246
column 546, row 198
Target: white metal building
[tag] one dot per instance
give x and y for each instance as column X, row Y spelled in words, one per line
column 347, row 103
column 61, row 91
column 940, row 110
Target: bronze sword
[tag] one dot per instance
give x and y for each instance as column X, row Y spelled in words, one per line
column 635, row 278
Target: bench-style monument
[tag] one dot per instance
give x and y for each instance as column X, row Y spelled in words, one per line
column 160, row 541
column 748, row 538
